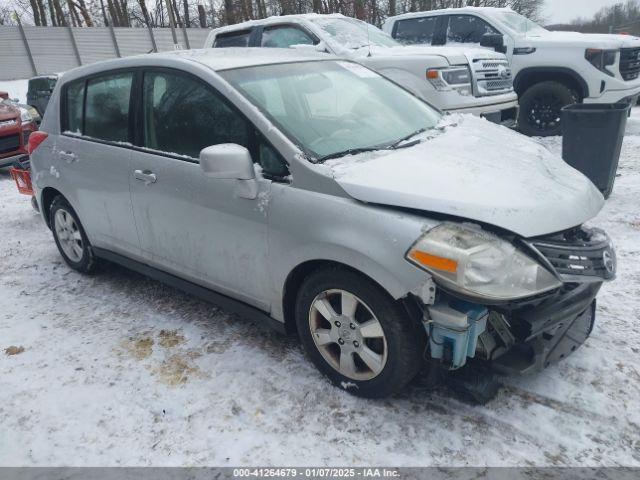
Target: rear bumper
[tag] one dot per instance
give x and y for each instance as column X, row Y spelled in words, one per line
column 8, row 161
column 557, row 328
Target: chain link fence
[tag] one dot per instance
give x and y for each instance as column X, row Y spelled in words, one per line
column 29, row 51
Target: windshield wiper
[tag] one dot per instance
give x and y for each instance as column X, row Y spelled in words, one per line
column 398, row 143
column 350, row 151
column 393, row 146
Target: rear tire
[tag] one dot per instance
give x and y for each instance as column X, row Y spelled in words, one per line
column 356, row 334
column 70, row 238
column 540, row 108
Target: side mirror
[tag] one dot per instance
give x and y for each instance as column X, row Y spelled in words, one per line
column 227, row 160
column 493, row 40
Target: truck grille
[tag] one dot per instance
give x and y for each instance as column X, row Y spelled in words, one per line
column 492, row 76
column 579, row 252
column 10, row 143
column 630, row 63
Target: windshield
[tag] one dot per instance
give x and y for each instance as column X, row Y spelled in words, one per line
column 519, row 24
column 352, row 33
column 330, row 108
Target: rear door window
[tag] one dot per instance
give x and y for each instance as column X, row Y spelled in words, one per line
column 233, row 39
column 107, row 107
column 467, row 29
column 182, row 115
column 416, row 30
column 285, row 36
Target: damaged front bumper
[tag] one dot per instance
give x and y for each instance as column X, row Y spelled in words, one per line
column 546, row 333
column 527, row 335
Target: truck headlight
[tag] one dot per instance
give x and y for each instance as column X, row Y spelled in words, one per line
column 448, row 79
column 479, row 264
column 601, row 59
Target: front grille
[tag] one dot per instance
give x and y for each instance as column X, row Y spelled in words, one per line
column 8, row 123
column 630, row 63
column 492, row 76
column 578, row 253
column 25, row 136
column 10, row 143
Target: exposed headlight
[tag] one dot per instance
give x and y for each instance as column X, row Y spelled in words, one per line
column 601, row 59
column 479, row 264
column 25, row 116
column 447, row 79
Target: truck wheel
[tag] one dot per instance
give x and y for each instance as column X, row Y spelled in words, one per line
column 356, row 334
column 540, row 108
column 70, row 238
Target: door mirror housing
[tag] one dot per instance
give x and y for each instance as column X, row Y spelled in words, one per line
column 227, row 160
column 493, row 40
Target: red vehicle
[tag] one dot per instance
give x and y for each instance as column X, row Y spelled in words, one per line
column 16, row 124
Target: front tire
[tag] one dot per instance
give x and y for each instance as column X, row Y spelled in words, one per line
column 356, row 334
column 70, row 238
column 540, row 108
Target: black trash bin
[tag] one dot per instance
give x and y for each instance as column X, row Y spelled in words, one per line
column 592, row 139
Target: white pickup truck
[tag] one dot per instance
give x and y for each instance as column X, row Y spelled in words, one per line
column 551, row 69
column 462, row 79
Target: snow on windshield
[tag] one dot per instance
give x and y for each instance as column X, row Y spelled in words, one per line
column 352, row 33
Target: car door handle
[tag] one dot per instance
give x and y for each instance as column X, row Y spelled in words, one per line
column 68, row 157
column 145, row 176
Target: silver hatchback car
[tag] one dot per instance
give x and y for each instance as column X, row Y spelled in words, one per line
column 325, row 199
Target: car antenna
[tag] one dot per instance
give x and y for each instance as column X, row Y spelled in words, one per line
column 368, row 40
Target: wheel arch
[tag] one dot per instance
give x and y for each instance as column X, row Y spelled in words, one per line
column 528, row 77
column 297, row 275
column 47, row 196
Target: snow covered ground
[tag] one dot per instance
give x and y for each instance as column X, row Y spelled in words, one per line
column 116, row 369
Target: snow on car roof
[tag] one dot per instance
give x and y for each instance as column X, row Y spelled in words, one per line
column 451, row 10
column 276, row 19
column 216, row 59
column 233, row 57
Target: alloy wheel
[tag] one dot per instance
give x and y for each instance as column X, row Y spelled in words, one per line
column 544, row 112
column 68, row 235
column 348, row 335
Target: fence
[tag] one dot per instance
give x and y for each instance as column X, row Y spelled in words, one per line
column 29, row 51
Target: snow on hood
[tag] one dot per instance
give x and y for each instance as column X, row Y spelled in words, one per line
column 455, row 55
column 595, row 40
column 471, row 168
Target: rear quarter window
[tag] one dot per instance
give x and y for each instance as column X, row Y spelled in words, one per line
column 73, row 107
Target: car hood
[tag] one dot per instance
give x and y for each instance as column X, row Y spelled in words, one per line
column 587, row 40
column 454, row 55
column 473, row 169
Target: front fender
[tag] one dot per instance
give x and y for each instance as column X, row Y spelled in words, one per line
column 309, row 226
